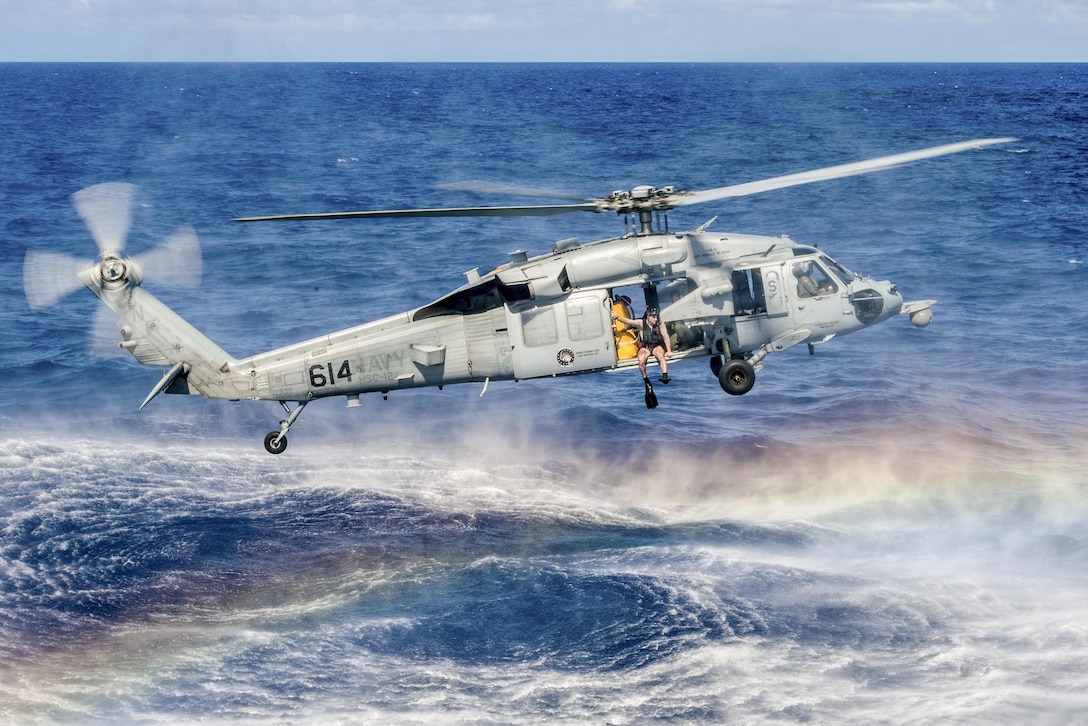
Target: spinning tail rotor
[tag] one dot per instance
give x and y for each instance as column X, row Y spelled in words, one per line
column 106, row 209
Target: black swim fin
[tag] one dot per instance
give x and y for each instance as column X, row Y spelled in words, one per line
column 651, row 397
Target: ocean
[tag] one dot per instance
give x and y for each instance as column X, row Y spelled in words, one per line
column 892, row 530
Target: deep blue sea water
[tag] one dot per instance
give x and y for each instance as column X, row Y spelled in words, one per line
column 893, row 530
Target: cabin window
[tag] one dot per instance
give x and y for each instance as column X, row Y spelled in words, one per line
column 488, row 295
column 538, row 327
column 516, row 293
column 584, row 319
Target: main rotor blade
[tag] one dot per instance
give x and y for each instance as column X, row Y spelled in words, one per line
column 176, row 262
column 106, row 209
column 639, row 200
column 49, row 276
column 530, row 211
column 831, row 172
column 486, row 187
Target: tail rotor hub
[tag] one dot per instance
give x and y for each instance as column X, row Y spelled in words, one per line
column 114, row 272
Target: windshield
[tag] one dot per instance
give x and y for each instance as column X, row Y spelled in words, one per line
column 838, row 270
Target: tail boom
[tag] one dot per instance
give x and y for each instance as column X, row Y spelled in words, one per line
column 157, row 336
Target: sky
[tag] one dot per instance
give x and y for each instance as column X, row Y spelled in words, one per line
column 546, row 30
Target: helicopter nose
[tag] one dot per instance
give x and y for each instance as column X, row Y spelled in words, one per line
column 877, row 301
column 893, row 301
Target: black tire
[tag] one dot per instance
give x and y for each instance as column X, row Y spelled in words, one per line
column 716, row 363
column 737, row 377
column 271, row 446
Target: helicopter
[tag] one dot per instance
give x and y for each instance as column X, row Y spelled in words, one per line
column 732, row 298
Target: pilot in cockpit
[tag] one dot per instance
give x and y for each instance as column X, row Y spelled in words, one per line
column 811, row 280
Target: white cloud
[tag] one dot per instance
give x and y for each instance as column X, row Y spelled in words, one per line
column 337, row 23
column 1065, row 13
column 961, row 9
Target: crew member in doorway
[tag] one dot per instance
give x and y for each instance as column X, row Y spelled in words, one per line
column 653, row 339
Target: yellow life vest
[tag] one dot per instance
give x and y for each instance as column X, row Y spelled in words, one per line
column 626, row 335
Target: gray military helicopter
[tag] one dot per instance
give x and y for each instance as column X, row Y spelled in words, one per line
column 733, row 299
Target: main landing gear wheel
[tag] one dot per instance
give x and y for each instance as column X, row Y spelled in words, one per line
column 716, row 363
column 737, row 377
column 272, row 446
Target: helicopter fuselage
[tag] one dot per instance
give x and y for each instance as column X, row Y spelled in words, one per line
column 729, row 296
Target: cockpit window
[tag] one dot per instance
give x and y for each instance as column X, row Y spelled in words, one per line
column 812, row 279
column 838, row 270
column 486, row 296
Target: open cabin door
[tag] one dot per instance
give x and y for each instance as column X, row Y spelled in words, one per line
column 761, row 291
column 567, row 335
column 761, row 299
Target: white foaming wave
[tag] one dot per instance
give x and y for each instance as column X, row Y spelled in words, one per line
column 950, row 673
column 109, row 501
column 937, row 592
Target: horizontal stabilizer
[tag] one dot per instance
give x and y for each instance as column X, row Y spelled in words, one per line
column 166, row 380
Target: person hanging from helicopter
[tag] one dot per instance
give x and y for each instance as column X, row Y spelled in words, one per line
column 653, row 339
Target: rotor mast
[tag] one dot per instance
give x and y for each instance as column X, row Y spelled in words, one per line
column 644, row 200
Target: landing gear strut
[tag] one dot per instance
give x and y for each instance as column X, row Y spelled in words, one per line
column 276, row 441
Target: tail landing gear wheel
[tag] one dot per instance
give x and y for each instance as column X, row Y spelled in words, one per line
column 272, row 446
column 737, row 377
column 276, row 441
